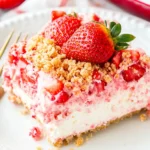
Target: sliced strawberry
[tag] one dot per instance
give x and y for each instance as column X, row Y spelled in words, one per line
column 12, row 59
column 28, row 79
column 55, row 87
column 62, row 97
column 61, row 29
column 117, row 58
column 96, row 18
column 16, row 53
column 57, row 14
column 96, row 75
column 97, row 87
column 135, row 55
column 134, row 72
column 35, row 133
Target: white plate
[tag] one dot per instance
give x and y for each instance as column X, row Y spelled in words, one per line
column 14, row 127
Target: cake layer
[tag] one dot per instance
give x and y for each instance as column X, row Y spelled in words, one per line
column 115, row 102
column 71, row 97
column 121, row 104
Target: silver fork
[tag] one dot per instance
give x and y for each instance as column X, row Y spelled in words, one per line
column 2, row 50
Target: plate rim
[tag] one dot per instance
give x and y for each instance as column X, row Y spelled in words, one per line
column 30, row 15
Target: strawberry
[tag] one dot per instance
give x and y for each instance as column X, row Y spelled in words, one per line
column 96, row 18
column 28, row 79
column 134, row 72
column 135, row 55
column 56, row 14
column 55, row 87
column 62, row 97
column 117, row 59
column 96, row 75
column 97, row 87
column 35, row 133
column 9, row 4
column 62, row 29
column 94, row 42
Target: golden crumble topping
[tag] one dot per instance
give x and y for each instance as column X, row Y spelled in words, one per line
column 46, row 56
column 126, row 60
column 145, row 59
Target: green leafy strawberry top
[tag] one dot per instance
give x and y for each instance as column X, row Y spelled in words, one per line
column 120, row 40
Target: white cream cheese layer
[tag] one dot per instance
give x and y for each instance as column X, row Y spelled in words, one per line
column 121, row 103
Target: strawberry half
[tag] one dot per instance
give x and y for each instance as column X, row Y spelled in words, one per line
column 134, row 72
column 61, row 29
column 57, row 14
column 94, row 42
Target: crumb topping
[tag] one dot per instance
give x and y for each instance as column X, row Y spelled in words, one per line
column 145, row 59
column 46, row 56
column 126, row 60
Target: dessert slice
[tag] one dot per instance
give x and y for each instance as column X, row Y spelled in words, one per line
column 76, row 91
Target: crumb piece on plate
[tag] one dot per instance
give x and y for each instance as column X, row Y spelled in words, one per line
column 25, row 111
column 39, row 148
column 36, row 133
column 143, row 117
column 79, row 141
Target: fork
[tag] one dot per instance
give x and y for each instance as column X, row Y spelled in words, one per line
column 4, row 47
column 2, row 50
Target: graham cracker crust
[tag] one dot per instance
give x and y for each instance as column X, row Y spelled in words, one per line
column 79, row 139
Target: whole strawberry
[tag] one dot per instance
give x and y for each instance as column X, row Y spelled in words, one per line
column 94, row 42
column 62, row 28
column 9, row 4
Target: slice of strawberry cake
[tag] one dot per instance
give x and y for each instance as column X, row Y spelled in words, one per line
column 76, row 77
